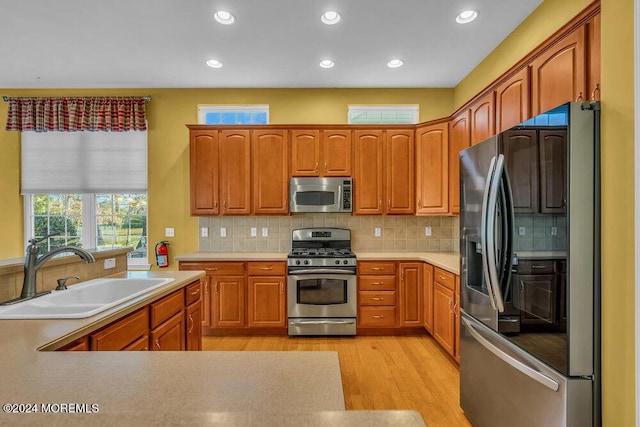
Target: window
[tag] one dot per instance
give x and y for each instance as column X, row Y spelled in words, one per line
column 383, row 114
column 233, row 114
column 92, row 221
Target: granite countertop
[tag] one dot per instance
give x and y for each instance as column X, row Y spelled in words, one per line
column 168, row 388
column 449, row 261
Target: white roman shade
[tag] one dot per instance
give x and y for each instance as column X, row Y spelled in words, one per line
column 84, row 162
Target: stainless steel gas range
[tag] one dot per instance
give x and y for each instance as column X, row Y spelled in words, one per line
column 321, row 283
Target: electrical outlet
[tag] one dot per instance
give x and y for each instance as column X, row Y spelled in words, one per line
column 109, row 263
column 204, row 232
column 554, row 231
column 169, row 232
column 265, row 231
column 223, row 232
column 254, row 231
column 521, row 231
column 427, row 231
column 377, row 232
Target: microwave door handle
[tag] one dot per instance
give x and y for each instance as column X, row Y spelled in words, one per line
column 483, row 231
column 491, row 232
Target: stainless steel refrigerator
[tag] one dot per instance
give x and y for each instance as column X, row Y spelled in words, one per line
column 530, row 287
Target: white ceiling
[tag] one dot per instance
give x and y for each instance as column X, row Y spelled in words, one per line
column 274, row 43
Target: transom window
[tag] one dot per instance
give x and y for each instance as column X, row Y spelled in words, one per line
column 233, row 114
column 383, row 114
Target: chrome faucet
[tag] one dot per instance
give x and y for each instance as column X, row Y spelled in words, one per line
column 33, row 262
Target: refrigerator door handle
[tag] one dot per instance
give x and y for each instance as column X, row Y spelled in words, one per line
column 528, row 371
column 490, row 231
column 483, row 231
column 509, row 220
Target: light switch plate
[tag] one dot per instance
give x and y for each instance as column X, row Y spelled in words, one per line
column 427, row 231
column 223, row 232
column 521, row 231
column 265, row 231
column 254, row 231
column 109, row 263
column 377, row 232
column 204, row 232
column 169, row 232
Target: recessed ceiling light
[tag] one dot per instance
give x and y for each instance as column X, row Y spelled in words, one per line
column 330, row 17
column 214, row 63
column 466, row 16
column 395, row 63
column 224, row 17
column 326, row 63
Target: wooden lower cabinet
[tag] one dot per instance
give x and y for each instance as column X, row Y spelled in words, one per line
column 427, row 292
column 170, row 335
column 377, row 306
column 123, row 333
column 443, row 317
column 377, row 317
column 228, row 302
column 456, row 313
column 81, row 344
column 266, row 302
column 410, row 289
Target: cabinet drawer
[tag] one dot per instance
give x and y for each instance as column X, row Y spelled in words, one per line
column 445, row 278
column 122, row 333
column 374, row 267
column 139, row 345
column 193, row 293
column 215, row 268
column 377, row 298
column 267, row 268
column 377, row 283
column 382, row 317
column 535, row 267
column 167, row 307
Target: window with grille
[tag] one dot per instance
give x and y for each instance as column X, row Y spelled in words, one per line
column 383, row 114
column 233, row 114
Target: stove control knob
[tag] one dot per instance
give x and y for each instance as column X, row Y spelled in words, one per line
column 337, row 261
column 297, row 262
column 345, row 261
column 306, row 261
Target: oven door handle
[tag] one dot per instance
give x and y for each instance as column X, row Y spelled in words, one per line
column 322, row 271
column 322, row 322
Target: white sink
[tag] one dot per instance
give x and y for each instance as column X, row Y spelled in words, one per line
column 81, row 300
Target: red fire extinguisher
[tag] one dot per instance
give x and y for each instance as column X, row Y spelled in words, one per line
column 162, row 254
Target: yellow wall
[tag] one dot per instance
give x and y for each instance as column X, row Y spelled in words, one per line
column 168, row 112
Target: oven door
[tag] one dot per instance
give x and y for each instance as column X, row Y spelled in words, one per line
column 321, row 295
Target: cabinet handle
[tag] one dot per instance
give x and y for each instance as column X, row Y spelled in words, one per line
column 316, row 168
column 389, row 204
column 441, row 277
column 378, row 316
column 224, row 204
column 281, row 288
column 449, row 305
column 538, row 267
column 212, row 269
column 195, row 292
column 157, row 344
column 206, row 287
column 192, row 323
column 377, row 298
column 266, row 268
column 418, row 205
column 593, row 92
column 215, row 204
column 455, row 310
column 216, row 288
column 380, row 204
column 377, row 268
column 325, row 165
column 579, row 97
column 377, row 283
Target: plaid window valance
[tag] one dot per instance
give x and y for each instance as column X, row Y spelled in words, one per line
column 71, row 114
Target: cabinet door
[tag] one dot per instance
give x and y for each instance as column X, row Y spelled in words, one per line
column 169, row 336
column 368, row 179
column 400, row 163
column 270, row 165
column 207, row 295
column 512, row 100
column 410, row 294
column 203, row 171
column 193, row 314
column 235, row 172
column 559, row 74
column 432, row 169
column 456, row 319
column 443, row 317
column 553, row 170
column 266, row 302
column 228, row 302
column 336, row 153
column 593, row 84
column 520, row 148
column 81, row 344
column 427, row 280
column 121, row 333
column 482, row 118
column 305, row 153
column 459, row 139
column 538, row 299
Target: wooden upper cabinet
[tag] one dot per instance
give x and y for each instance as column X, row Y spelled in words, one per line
column 459, row 139
column 400, row 180
column 305, row 153
column 235, row 172
column 432, row 169
column 336, row 153
column 520, row 148
column 203, row 157
column 553, row 170
column 270, row 166
column 483, row 118
column 368, row 176
column 593, row 84
column 512, row 100
column 558, row 75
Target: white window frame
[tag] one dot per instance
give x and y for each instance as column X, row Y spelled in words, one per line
column 204, row 109
column 89, row 227
column 410, row 108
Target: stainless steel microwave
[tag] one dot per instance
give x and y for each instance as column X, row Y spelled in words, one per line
column 321, row 194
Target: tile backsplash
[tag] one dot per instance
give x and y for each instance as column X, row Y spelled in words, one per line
column 397, row 233
column 541, row 232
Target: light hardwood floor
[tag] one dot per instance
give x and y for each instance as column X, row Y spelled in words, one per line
column 404, row 372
